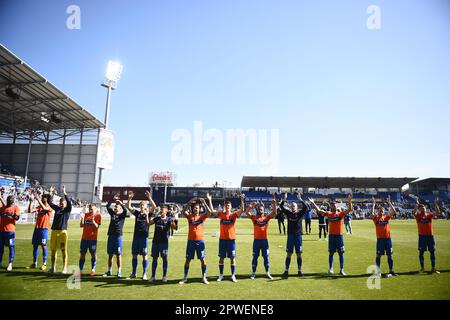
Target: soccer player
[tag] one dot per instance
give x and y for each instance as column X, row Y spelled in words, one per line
column 384, row 242
column 160, row 243
column 90, row 222
column 424, row 221
column 9, row 214
column 260, row 231
column 294, row 238
column 335, row 236
column 348, row 223
column 118, row 214
column 58, row 238
column 141, row 231
column 43, row 214
column 195, row 243
column 227, row 240
column 322, row 226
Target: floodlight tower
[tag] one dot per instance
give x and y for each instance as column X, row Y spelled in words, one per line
column 112, row 77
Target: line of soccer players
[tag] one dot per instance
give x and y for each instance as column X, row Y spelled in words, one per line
column 197, row 211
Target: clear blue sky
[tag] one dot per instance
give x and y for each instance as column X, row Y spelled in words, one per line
column 348, row 101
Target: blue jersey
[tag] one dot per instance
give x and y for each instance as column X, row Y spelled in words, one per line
column 162, row 229
column 141, row 227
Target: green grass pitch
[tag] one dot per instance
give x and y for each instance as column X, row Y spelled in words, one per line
column 23, row 283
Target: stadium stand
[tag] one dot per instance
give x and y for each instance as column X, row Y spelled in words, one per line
column 44, row 134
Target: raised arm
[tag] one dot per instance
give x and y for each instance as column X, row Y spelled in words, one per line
column 437, row 210
column 210, row 209
column 242, row 208
column 124, row 209
column 372, row 210
column 250, row 207
column 283, row 201
column 109, row 209
column 314, row 205
column 305, row 206
column 274, row 207
column 150, row 200
column 299, row 196
column 392, row 211
column 41, row 204
column 30, row 204
column 185, row 210
column 50, row 200
column 116, row 199
column 69, row 203
column 82, row 216
column 414, row 212
column 350, row 205
column 130, row 197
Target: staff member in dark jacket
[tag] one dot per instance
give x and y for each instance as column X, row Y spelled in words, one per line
column 295, row 221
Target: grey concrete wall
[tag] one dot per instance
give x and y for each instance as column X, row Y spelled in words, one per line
column 71, row 165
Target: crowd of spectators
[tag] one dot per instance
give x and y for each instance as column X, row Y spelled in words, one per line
column 22, row 195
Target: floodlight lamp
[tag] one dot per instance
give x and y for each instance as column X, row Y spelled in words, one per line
column 113, row 71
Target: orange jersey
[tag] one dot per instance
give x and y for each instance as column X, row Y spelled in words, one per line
column 90, row 232
column 382, row 226
column 227, row 221
column 335, row 222
column 7, row 222
column 196, row 224
column 425, row 224
column 43, row 218
column 260, row 226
